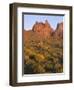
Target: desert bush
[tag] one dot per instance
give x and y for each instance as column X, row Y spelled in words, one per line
column 43, row 57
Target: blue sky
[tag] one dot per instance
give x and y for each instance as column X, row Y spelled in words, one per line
column 29, row 20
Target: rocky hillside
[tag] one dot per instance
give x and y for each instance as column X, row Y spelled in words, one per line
column 43, row 49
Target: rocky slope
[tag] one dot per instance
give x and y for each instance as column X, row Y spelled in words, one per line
column 43, row 49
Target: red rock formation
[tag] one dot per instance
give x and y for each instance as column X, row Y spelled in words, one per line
column 41, row 31
column 59, row 30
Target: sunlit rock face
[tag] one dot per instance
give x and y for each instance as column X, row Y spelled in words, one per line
column 41, row 31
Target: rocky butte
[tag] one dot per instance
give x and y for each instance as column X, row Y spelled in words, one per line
column 42, row 31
